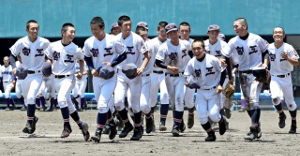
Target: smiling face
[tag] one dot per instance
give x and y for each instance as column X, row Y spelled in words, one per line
column 97, row 31
column 278, row 34
column 240, row 30
column 69, row 34
column 33, row 30
column 213, row 35
column 198, row 49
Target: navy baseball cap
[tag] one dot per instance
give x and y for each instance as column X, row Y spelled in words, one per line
column 114, row 25
column 213, row 27
column 192, row 83
column 171, row 27
column 143, row 24
column 130, row 70
column 106, row 72
column 22, row 72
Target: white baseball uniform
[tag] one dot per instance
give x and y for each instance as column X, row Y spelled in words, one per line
column 32, row 55
column 63, row 67
column 18, row 83
column 280, row 70
column 135, row 49
column 215, row 50
column 7, row 79
column 208, row 74
column 105, row 50
column 158, row 80
column 175, row 56
column 248, row 54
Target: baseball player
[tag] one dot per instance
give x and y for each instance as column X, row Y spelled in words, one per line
column 282, row 58
column 8, row 80
column 138, row 55
column 31, row 49
column 158, row 82
column 99, row 50
column 184, row 32
column 19, row 91
column 173, row 56
column 213, row 46
column 79, row 89
column 115, row 29
column 247, row 50
column 206, row 70
column 63, row 55
column 146, row 79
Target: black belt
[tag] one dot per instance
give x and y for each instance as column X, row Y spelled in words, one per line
column 246, row 71
column 33, row 72
column 61, row 76
column 282, row 76
column 158, row 72
column 174, row 75
column 6, row 81
column 210, row 88
column 145, row 75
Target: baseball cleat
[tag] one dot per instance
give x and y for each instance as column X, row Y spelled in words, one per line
column 23, row 108
column 281, row 122
column 106, row 129
column 113, row 131
column 27, row 128
column 222, row 126
column 293, row 129
column 137, row 134
column 175, row 131
column 211, row 137
column 30, row 128
column 162, row 126
column 149, row 125
column 66, row 132
column 190, row 121
column 227, row 113
column 97, row 136
column 255, row 133
column 85, row 131
column 182, row 126
column 126, row 130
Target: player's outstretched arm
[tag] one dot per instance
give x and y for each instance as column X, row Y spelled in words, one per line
column 144, row 64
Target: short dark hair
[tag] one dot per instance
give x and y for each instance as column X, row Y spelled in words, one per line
column 140, row 28
column 198, row 40
column 123, row 19
column 185, row 24
column 30, row 21
column 281, row 28
column 242, row 21
column 162, row 24
column 66, row 25
column 99, row 21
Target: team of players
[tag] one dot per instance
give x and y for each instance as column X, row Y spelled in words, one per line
column 163, row 63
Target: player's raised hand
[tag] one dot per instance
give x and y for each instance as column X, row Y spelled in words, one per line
column 95, row 73
column 219, row 89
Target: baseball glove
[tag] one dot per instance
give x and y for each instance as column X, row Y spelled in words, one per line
column 229, row 90
column 262, row 75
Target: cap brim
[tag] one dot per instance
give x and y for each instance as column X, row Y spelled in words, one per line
column 172, row 30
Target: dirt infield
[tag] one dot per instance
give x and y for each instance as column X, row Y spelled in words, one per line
column 46, row 140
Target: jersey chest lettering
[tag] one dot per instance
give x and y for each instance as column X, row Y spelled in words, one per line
column 7, row 73
column 108, row 52
column 39, row 52
column 198, row 72
column 26, row 51
column 69, row 58
column 209, row 71
column 253, row 49
column 95, row 52
column 184, row 53
column 272, row 57
column 56, row 55
column 129, row 50
column 173, row 56
column 240, row 50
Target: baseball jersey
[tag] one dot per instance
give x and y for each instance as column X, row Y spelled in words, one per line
column 207, row 72
column 152, row 48
column 174, row 55
column 135, row 48
column 32, row 53
column 77, row 69
column 105, row 50
column 7, row 73
column 279, row 65
column 63, row 57
column 247, row 53
column 157, row 42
